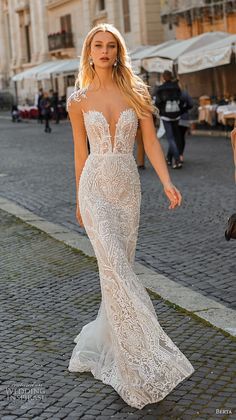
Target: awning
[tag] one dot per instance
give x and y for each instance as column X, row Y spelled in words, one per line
column 157, row 64
column 48, row 69
column 140, row 54
column 142, row 51
column 30, row 73
column 180, row 47
column 136, row 66
column 60, row 66
column 216, row 54
column 166, row 54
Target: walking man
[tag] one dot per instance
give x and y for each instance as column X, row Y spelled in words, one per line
column 168, row 100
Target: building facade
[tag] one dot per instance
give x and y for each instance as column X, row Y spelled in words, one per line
column 38, row 31
column 183, row 19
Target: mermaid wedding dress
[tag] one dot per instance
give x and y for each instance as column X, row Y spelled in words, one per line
column 125, row 346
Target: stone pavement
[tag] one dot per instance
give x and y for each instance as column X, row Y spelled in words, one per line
column 48, row 292
column 216, row 314
column 187, row 245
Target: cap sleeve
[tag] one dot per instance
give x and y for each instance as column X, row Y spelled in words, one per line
column 75, row 98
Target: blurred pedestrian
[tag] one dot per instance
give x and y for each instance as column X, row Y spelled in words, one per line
column 15, row 114
column 40, row 97
column 184, row 122
column 168, row 100
column 45, row 105
column 55, row 106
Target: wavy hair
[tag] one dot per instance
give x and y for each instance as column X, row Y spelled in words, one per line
column 133, row 87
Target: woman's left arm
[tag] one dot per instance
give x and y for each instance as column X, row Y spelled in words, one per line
column 155, row 154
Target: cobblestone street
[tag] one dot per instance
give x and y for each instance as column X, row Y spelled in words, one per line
column 187, row 245
column 49, row 291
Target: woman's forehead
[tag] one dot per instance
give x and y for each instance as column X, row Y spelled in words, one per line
column 104, row 37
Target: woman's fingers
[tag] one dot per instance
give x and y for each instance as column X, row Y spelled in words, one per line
column 174, row 196
column 79, row 218
column 179, row 196
column 81, row 222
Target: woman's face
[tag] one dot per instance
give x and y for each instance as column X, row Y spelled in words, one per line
column 103, row 49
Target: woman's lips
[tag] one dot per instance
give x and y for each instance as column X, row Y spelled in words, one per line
column 104, row 59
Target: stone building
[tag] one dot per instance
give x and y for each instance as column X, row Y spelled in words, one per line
column 183, row 19
column 41, row 31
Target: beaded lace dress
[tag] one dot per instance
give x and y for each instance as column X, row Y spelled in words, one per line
column 125, row 346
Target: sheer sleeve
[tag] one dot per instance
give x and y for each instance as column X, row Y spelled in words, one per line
column 79, row 135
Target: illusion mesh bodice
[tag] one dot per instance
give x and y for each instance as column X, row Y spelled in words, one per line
column 98, row 129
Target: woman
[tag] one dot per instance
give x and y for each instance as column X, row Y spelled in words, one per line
column 124, row 346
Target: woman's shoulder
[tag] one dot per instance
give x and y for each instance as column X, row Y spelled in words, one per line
column 76, row 97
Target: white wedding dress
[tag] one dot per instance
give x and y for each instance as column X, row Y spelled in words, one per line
column 125, row 346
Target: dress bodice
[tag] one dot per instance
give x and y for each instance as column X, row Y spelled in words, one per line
column 98, row 129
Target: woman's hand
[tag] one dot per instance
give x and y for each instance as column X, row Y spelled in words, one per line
column 173, row 194
column 78, row 216
column 233, row 132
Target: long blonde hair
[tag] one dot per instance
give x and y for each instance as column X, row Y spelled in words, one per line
column 130, row 84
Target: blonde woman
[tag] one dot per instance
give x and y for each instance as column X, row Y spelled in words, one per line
column 125, row 345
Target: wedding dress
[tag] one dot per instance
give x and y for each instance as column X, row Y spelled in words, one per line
column 125, row 346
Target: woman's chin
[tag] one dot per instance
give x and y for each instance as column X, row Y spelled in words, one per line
column 103, row 65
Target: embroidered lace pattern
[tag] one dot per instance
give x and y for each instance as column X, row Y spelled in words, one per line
column 125, row 346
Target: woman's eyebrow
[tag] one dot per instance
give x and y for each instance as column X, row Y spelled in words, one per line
column 109, row 42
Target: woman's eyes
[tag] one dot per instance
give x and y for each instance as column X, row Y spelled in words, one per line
column 109, row 46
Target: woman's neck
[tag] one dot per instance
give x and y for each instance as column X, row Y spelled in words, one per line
column 103, row 79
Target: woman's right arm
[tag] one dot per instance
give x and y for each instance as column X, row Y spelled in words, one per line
column 233, row 142
column 80, row 146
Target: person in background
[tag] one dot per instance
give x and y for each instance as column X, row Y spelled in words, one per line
column 40, row 97
column 168, row 100
column 15, row 114
column 51, row 92
column 224, row 99
column 232, row 100
column 45, row 105
column 55, row 103
column 184, row 123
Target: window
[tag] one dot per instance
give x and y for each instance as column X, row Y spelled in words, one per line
column 66, row 23
column 101, row 5
column 27, row 39
column 126, row 14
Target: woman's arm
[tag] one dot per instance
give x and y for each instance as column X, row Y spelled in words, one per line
column 80, row 146
column 233, row 142
column 155, row 154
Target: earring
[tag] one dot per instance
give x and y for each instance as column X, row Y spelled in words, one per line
column 90, row 61
column 115, row 63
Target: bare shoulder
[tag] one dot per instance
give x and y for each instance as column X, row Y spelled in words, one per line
column 75, row 99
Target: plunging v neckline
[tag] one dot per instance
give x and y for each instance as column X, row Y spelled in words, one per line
column 112, row 140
